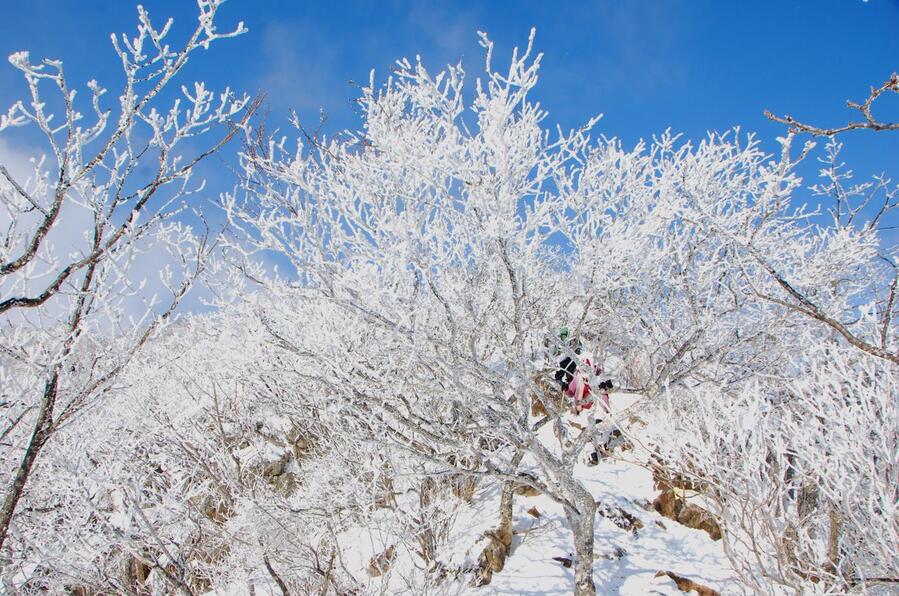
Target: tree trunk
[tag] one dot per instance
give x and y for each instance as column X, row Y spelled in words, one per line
column 833, row 540
column 505, row 507
column 507, row 498
column 42, row 429
column 493, row 557
column 582, row 521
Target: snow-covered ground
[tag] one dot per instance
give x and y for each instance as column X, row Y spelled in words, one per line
column 626, row 561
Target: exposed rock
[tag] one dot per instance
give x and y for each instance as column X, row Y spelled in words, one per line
column 500, row 540
column 688, row 585
column 620, row 517
column 534, row 512
column 526, row 490
column 565, row 561
column 696, row 517
column 675, row 507
column 667, row 505
column 672, row 503
column 380, row 563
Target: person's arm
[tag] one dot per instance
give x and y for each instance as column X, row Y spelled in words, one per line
column 565, row 372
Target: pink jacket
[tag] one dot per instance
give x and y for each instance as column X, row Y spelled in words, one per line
column 579, row 389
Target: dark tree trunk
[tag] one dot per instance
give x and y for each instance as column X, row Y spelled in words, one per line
column 42, row 429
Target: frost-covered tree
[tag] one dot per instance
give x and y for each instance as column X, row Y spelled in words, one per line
column 801, row 464
column 432, row 237
column 654, row 282
column 450, row 240
column 856, row 268
column 222, row 463
column 109, row 191
column 453, row 240
column 434, row 253
column 802, row 472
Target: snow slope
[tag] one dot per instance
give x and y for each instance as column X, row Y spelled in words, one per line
column 626, row 562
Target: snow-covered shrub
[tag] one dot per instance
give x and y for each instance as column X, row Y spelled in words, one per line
column 802, row 471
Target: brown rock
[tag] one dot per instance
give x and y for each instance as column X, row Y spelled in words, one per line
column 698, row 518
column 688, row 585
column 669, row 505
column 526, row 490
column 620, row 517
column 493, row 557
column 666, row 504
column 534, row 512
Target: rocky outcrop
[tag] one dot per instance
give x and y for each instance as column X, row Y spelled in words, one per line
column 673, row 502
column 621, row 518
column 688, row 585
column 673, row 505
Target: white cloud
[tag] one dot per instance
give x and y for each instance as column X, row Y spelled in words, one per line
column 300, row 69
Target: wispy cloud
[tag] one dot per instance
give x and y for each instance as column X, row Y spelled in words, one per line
column 448, row 30
column 299, row 69
column 642, row 43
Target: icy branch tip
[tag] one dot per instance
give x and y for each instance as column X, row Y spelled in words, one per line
column 19, row 59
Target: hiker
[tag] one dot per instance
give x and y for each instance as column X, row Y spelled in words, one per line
column 574, row 381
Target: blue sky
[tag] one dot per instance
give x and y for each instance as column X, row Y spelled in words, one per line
column 647, row 65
